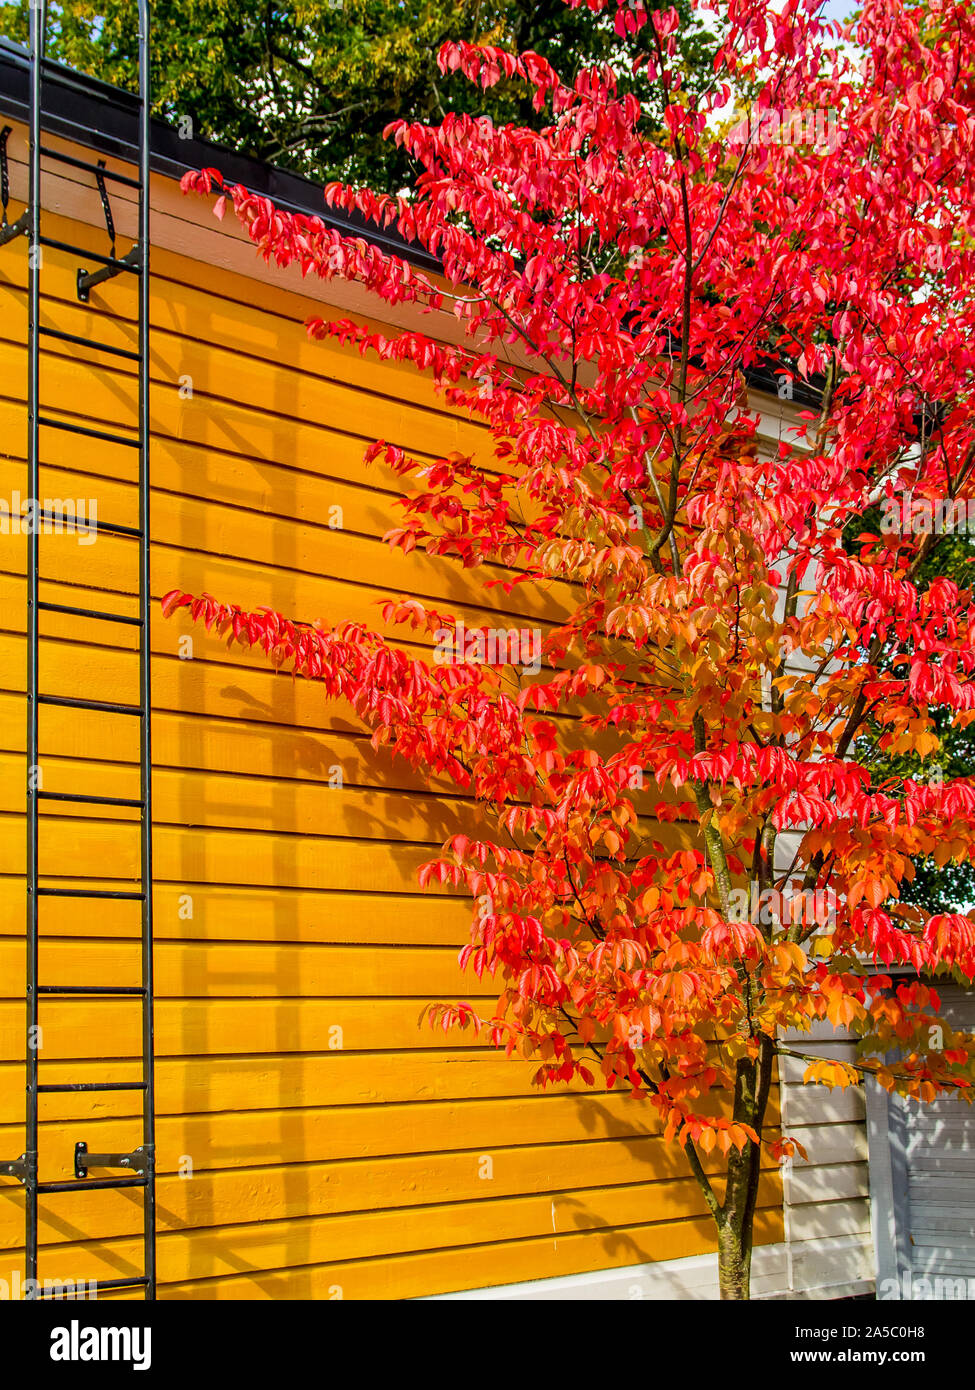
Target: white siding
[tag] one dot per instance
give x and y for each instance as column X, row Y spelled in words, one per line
column 829, row 1267
column 923, row 1185
column 827, row 1199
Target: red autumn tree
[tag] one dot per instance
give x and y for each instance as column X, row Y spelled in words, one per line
column 687, row 856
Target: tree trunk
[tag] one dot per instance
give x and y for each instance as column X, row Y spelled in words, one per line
column 737, row 1216
column 734, row 1262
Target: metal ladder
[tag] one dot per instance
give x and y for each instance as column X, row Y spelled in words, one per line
column 137, row 1169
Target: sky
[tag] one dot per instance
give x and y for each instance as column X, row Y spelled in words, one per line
column 839, row 9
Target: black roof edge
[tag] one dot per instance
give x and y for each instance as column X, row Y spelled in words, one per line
column 804, row 391
column 105, row 118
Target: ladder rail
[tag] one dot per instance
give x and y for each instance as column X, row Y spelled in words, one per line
column 145, row 663
column 25, row 1169
column 38, row 28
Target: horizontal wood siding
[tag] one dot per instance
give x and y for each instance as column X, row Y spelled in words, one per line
column 830, row 1251
column 337, row 1146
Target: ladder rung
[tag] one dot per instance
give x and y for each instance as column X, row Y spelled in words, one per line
column 114, row 528
column 62, row 1088
column 89, row 893
column 95, row 1285
column 88, row 613
column 89, row 343
column 91, row 168
column 80, row 1184
column 70, row 702
column 91, row 989
column 128, row 801
column 115, row 262
column 89, row 433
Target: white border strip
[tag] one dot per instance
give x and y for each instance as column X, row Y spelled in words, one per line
column 696, row 1277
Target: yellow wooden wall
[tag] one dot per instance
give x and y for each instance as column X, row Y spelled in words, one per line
column 317, row 1171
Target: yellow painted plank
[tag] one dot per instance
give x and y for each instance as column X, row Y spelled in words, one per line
column 263, row 1261
column 216, row 745
column 270, row 1136
column 654, row 1172
column 248, row 803
column 223, row 687
column 207, row 1088
column 197, row 1085
column 278, row 913
column 218, row 683
column 230, row 310
column 109, row 565
column 223, row 682
column 227, row 969
column 190, row 1028
column 226, row 472
column 275, row 1137
column 78, row 848
column 367, row 500
column 72, row 849
column 198, row 1026
column 168, row 637
column 283, row 413
column 196, row 525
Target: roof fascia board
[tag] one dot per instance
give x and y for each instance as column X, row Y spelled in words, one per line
column 105, row 118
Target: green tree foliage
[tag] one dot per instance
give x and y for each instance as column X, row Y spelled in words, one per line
column 311, row 86
column 947, row 886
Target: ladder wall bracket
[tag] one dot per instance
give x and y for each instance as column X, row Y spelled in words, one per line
column 19, row 1168
column 106, row 205
column 138, row 1161
column 5, row 135
column 87, row 280
column 9, row 230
